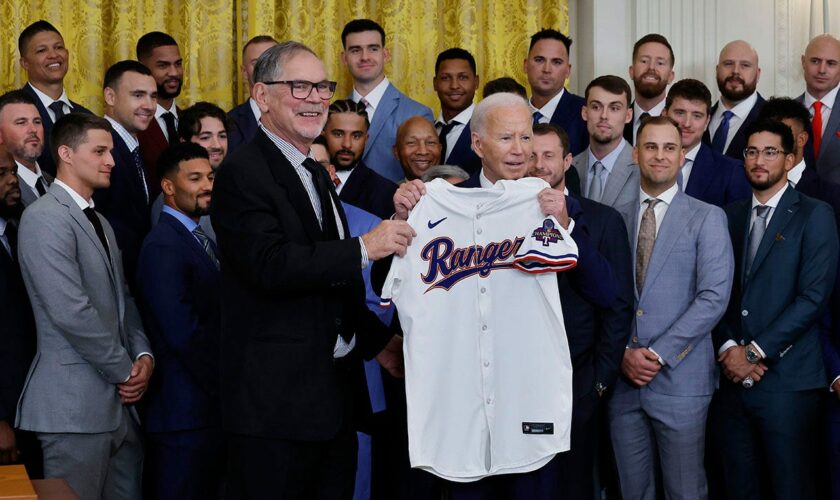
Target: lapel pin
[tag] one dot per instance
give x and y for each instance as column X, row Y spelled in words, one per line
column 779, row 237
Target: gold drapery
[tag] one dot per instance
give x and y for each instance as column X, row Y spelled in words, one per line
column 211, row 34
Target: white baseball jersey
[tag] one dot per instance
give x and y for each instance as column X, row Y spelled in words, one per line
column 488, row 373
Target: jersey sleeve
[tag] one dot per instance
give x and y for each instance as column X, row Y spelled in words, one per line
column 547, row 248
column 392, row 282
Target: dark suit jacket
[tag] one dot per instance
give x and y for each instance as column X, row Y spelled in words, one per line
column 781, row 303
column 462, row 154
column 739, row 141
column 369, row 191
column 125, row 206
column 178, row 294
column 45, row 161
column 717, row 179
column 152, row 144
column 597, row 330
column 567, row 115
column 17, row 334
column 287, row 293
column 243, row 126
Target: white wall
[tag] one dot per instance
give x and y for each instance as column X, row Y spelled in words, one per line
column 604, row 32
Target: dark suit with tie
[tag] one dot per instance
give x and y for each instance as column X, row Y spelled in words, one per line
column 126, row 206
column 462, row 153
column 152, row 144
column 778, row 305
column 178, row 293
column 369, row 191
column 567, row 115
column 288, row 292
column 28, row 195
column 739, row 140
column 45, row 161
column 826, row 162
column 243, row 125
column 717, row 179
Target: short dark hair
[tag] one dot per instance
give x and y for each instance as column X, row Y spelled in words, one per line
column 455, row 53
column 774, row 127
column 118, row 69
column 653, row 38
column 349, row 106
column 612, row 84
column 71, row 130
column 359, row 25
column 776, row 109
column 259, row 39
column 171, row 158
column 189, row 120
column 542, row 129
column 656, row 120
column 15, row 97
column 504, row 84
column 550, row 34
column 32, row 30
column 691, row 90
column 152, row 40
column 321, row 140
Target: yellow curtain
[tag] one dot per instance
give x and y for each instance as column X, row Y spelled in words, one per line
column 211, row 34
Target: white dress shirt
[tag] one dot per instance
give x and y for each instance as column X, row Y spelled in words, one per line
column 161, row 123
column 637, row 115
column 47, row 100
column 547, row 111
column 795, row 174
column 29, row 177
column 255, row 109
column 740, row 110
column 452, row 137
column 373, row 98
column 828, row 105
column 688, row 165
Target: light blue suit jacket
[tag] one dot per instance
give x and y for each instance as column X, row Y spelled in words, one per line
column 623, row 182
column 686, row 291
column 394, row 109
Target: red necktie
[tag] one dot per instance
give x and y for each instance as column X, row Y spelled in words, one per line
column 337, row 181
column 816, row 128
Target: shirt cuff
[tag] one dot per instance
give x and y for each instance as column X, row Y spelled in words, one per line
column 726, row 345
column 658, row 357
column 758, row 348
column 831, row 386
column 365, row 260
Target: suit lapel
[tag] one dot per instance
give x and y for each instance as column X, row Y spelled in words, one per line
column 702, row 172
column 63, row 197
column 673, row 225
column 707, row 138
column 189, row 240
column 387, row 105
column 832, row 128
column 462, row 147
column 621, row 171
column 784, row 212
column 562, row 114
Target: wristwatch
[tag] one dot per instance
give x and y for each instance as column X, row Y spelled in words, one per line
column 752, row 354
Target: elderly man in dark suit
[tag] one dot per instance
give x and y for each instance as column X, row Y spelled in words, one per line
column 293, row 313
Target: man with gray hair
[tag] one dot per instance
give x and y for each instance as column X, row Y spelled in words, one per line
column 450, row 173
column 294, row 321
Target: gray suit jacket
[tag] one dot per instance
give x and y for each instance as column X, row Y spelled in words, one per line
column 686, row 292
column 623, row 182
column 89, row 330
column 27, row 194
column 828, row 161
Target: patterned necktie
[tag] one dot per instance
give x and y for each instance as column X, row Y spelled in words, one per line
column 722, row 132
column 171, row 131
column 759, row 225
column 322, row 186
column 816, row 128
column 41, row 186
column 595, row 183
column 207, row 244
column 368, row 108
column 97, row 226
column 138, row 165
column 644, row 246
column 57, row 108
column 537, row 117
column 8, row 240
column 444, row 131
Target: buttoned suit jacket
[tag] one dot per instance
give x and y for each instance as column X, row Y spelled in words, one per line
column 89, row 331
column 462, row 153
column 717, row 179
column 622, row 183
column 739, row 140
column 46, row 161
column 567, row 116
column 243, row 125
column 394, row 109
column 685, row 293
column 29, row 195
column 369, row 191
column 780, row 304
column 827, row 163
column 287, row 294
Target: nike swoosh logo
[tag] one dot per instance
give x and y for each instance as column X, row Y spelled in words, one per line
column 433, row 224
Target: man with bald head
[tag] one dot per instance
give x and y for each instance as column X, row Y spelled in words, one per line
column 737, row 77
column 821, row 67
column 418, row 147
column 246, row 116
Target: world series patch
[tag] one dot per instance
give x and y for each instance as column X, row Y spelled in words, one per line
column 547, row 233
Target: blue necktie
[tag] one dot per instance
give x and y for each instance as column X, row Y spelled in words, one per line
column 719, row 140
column 537, row 117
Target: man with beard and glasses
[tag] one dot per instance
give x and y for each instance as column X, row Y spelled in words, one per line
column 606, row 169
column 22, row 132
column 17, row 327
column 737, row 78
column 160, row 53
column 178, row 291
column 418, row 147
column 821, row 67
column 651, row 72
column 346, row 133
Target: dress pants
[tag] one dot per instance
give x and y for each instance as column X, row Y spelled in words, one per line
column 578, row 463
column 185, row 465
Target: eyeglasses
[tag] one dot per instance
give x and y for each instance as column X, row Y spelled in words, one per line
column 301, row 89
column 768, row 153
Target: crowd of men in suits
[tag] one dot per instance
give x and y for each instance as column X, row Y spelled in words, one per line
column 187, row 295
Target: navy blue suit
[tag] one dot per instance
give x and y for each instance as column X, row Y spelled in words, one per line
column 567, row 115
column 369, row 191
column 45, row 161
column 462, row 154
column 779, row 305
column 243, row 125
column 178, row 290
column 126, row 206
column 739, row 141
column 717, row 179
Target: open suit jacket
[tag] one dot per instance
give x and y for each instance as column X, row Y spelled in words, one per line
column 45, row 161
column 622, row 183
column 716, row 178
column 89, row 330
column 287, row 293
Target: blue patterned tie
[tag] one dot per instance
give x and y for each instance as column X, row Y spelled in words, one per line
column 138, row 164
column 207, row 244
column 719, row 140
